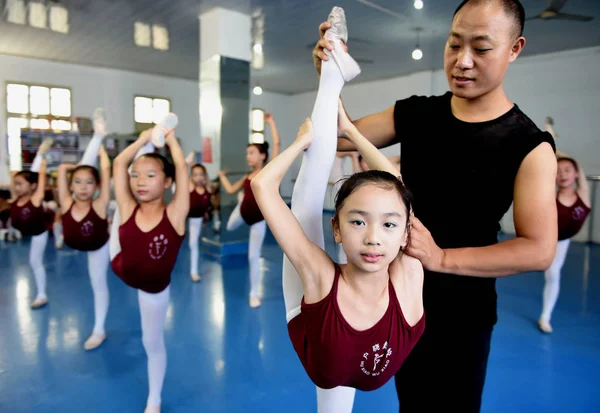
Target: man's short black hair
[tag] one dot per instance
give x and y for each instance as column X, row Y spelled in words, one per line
column 513, row 8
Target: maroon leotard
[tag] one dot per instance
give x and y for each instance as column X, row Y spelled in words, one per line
column 199, row 204
column 28, row 219
column 249, row 209
column 571, row 219
column 89, row 234
column 335, row 354
column 147, row 258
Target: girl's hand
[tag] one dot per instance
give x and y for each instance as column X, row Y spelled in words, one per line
column 305, row 134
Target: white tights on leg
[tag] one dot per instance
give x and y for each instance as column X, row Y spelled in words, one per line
column 195, row 227
column 36, row 261
column 153, row 312
column 552, row 280
column 97, row 268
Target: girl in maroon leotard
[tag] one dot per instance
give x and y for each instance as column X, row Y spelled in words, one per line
column 200, row 205
column 351, row 325
column 27, row 215
column 85, row 227
column 247, row 211
column 573, row 205
column 145, row 246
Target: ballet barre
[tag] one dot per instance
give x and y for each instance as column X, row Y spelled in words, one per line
column 593, row 183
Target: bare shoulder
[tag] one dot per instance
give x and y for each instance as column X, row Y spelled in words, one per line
column 407, row 277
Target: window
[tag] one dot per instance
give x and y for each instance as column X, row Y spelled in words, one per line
column 148, row 111
column 156, row 36
column 38, row 107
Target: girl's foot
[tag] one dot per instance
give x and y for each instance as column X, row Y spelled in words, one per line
column 254, row 302
column 337, row 34
column 545, row 326
column 160, row 130
column 195, row 277
column 94, row 341
column 39, row 303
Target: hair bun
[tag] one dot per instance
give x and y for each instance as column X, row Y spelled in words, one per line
column 265, row 145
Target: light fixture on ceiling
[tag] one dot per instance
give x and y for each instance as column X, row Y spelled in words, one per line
column 257, row 90
column 257, row 48
column 15, row 11
column 417, row 54
column 418, row 4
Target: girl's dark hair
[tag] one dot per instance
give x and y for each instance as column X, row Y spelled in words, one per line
column 573, row 162
column 31, row 177
column 168, row 167
column 380, row 178
column 90, row 168
column 263, row 148
column 199, row 165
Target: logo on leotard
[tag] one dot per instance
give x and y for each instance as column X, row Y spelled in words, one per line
column 578, row 213
column 25, row 214
column 158, row 247
column 375, row 363
column 87, row 228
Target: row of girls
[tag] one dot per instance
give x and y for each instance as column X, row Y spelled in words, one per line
column 140, row 178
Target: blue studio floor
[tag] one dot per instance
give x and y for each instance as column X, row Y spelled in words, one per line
column 226, row 357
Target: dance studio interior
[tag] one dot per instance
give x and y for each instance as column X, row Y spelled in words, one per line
column 299, row 206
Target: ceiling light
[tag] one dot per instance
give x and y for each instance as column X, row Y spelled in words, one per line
column 418, row 4
column 257, row 90
column 257, row 48
column 417, row 54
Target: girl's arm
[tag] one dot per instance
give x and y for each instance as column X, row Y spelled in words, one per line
column 179, row 207
column 583, row 188
column 38, row 195
column 13, row 194
column 311, row 262
column 64, row 195
column 374, row 158
column 270, row 120
column 101, row 203
column 355, row 163
column 125, row 200
column 230, row 189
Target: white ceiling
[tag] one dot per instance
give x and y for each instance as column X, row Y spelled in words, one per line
column 101, row 35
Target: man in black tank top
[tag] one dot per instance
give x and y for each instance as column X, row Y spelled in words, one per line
column 466, row 156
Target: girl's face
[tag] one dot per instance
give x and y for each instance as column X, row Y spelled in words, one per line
column 22, row 187
column 566, row 174
column 371, row 227
column 199, row 177
column 254, row 157
column 83, row 185
column 148, row 180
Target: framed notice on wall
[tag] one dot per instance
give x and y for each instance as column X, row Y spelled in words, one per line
column 207, row 152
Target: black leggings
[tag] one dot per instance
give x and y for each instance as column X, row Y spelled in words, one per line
column 445, row 372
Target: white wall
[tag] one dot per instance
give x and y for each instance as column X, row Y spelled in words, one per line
column 111, row 89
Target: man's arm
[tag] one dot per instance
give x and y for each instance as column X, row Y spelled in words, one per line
column 535, row 222
column 377, row 128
